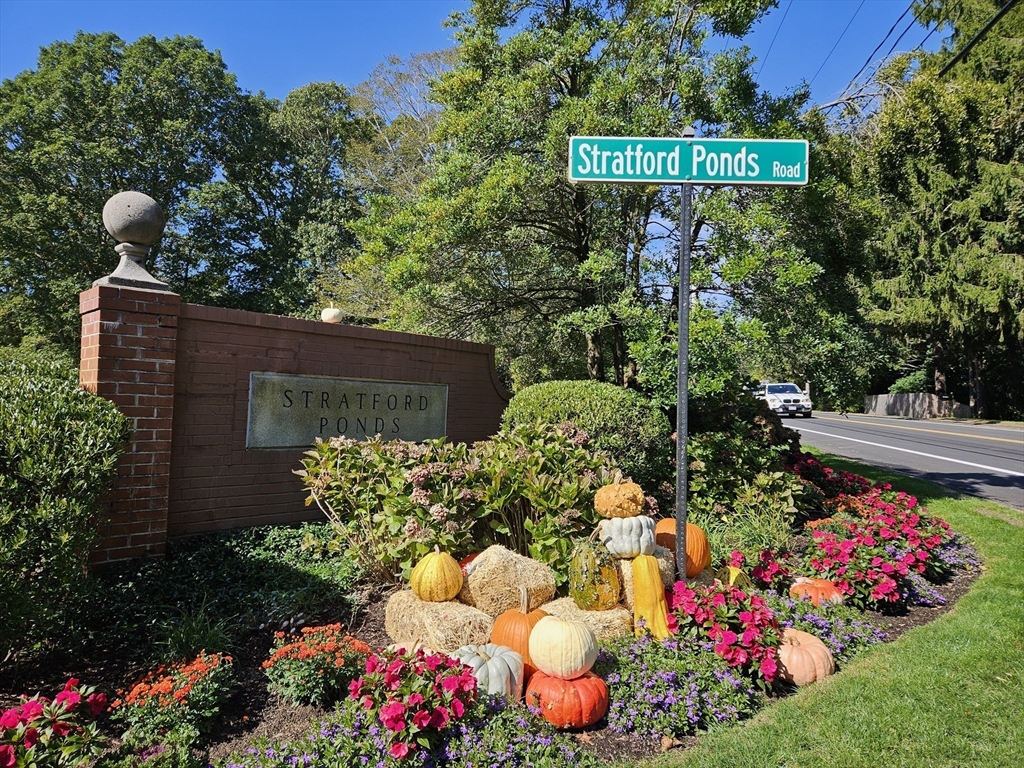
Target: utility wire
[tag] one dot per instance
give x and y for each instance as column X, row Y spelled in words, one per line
column 843, row 34
column 784, row 15
column 981, row 33
column 879, row 46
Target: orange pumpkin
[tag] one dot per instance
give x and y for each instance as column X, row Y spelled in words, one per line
column 818, row 590
column 803, row 658
column 698, row 552
column 513, row 627
column 568, row 703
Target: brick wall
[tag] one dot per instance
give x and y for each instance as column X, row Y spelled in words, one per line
column 128, row 357
column 181, row 371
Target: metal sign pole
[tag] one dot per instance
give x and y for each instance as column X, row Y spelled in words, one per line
column 683, row 373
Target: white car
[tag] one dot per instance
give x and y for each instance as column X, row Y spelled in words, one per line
column 786, row 399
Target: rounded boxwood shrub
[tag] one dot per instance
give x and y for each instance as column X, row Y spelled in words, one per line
column 618, row 420
column 59, row 447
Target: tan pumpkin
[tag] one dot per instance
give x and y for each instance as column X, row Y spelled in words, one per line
column 698, row 551
column 803, row 658
column 619, row 500
column 437, row 577
column 563, row 648
column 649, row 604
column 513, row 628
column 817, row 590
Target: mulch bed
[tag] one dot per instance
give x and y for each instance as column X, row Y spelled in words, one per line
column 252, row 712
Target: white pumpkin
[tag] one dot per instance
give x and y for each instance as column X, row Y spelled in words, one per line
column 498, row 669
column 627, row 537
column 562, row 648
column 331, row 315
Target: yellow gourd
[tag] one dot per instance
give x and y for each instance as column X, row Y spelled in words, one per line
column 649, row 602
column 437, row 577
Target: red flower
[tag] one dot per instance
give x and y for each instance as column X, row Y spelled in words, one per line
column 7, row 758
column 10, row 719
column 69, row 699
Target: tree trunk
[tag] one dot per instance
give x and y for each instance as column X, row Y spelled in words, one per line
column 939, row 359
column 979, row 408
column 595, row 361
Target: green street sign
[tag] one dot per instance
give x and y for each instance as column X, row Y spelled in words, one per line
column 621, row 160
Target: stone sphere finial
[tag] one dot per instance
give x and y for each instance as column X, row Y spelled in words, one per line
column 132, row 217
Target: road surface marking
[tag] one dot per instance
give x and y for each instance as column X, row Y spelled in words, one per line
column 1000, row 470
column 932, row 431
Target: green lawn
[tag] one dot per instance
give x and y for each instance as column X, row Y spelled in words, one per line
column 947, row 694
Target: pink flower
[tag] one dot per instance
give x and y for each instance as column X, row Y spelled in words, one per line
column 10, row 719
column 450, row 684
column 458, row 708
column 96, row 702
column 432, row 662
column 768, row 667
column 421, row 719
column 72, row 683
column 399, row 750
column 353, row 688
column 30, row 710
column 372, row 665
column 69, row 699
column 7, row 759
column 414, row 699
column 439, row 718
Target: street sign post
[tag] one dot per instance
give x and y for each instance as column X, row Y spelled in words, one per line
column 686, row 161
column 618, row 160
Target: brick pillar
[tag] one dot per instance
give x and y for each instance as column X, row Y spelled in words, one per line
column 129, row 340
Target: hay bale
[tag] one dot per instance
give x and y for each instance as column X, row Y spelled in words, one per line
column 443, row 627
column 607, row 625
column 493, row 578
column 666, row 567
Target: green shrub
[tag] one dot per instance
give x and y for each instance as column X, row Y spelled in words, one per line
column 918, row 381
column 59, row 447
column 530, row 489
column 618, row 421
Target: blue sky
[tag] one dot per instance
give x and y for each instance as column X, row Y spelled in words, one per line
column 276, row 46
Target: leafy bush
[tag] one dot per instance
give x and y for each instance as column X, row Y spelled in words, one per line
column 619, row 421
column 672, row 687
column 61, row 733
column 181, row 699
column 912, row 383
column 530, row 488
column 59, row 447
column 316, row 666
column 827, row 480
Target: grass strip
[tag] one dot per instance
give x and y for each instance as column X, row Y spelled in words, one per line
column 950, row 693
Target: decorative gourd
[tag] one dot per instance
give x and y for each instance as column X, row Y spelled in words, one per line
column 437, row 577
column 619, row 500
column 513, row 628
column 466, row 563
column 593, row 578
column 803, row 658
column 730, row 574
column 818, row 590
column 497, row 668
column 698, row 552
column 649, row 602
column 627, row 537
column 573, row 703
column 563, row 648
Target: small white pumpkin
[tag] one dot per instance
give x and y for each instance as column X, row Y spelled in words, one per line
column 563, row 648
column 331, row 315
column 498, row 669
column 627, row 537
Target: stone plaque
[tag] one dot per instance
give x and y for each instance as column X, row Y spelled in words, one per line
column 290, row 411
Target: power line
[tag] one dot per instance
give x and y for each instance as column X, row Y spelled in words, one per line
column 879, row 46
column 981, row 33
column 841, row 36
column 784, row 15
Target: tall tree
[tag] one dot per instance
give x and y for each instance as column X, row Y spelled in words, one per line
column 250, row 186
column 947, row 157
column 497, row 244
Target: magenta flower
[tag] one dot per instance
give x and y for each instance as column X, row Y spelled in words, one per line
column 399, row 750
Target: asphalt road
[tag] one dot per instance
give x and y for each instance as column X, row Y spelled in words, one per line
column 979, row 459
